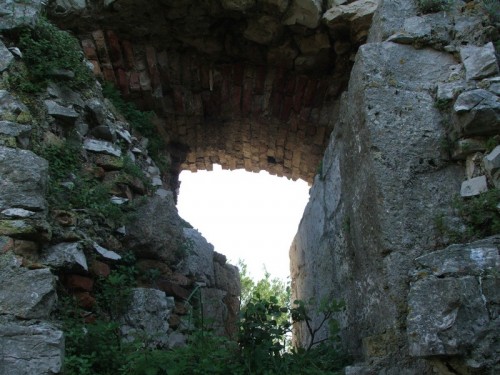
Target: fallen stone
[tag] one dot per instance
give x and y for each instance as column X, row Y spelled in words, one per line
column 474, row 186
column 480, row 62
column 477, row 113
column 31, row 348
column 147, row 316
column 26, row 294
column 65, row 114
column 66, row 255
column 6, row 57
column 104, row 147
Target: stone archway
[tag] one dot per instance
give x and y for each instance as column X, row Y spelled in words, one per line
column 245, row 84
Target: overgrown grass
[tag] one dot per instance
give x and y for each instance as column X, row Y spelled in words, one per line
column 433, row 6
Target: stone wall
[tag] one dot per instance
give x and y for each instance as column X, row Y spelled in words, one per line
column 385, row 178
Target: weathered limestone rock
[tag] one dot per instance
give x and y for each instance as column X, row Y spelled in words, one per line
column 65, row 114
column 10, row 104
column 6, row 57
column 477, row 113
column 147, row 316
column 104, row 147
column 304, row 12
column 492, row 161
column 30, row 348
column 16, row 131
column 215, row 311
column 14, row 14
column 199, row 260
column 356, row 15
column 480, row 62
column 451, row 313
column 65, row 255
column 227, row 277
column 27, row 294
column 24, row 180
column 156, row 232
column 474, row 186
column 382, row 182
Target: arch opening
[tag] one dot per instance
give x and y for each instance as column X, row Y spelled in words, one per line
column 247, row 216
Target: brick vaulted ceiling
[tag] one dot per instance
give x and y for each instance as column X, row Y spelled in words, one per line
column 243, row 83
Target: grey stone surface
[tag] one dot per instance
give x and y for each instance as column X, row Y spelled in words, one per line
column 449, row 90
column 445, row 316
column 14, row 14
column 491, row 161
column 156, row 232
column 24, row 180
column 463, row 259
column 26, row 294
column 477, row 113
column 480, row 62
column 227, row 277
column 103, row 147
column 30, row 348
column 453, row 305
column 96, row 112
column 215, row 311
column 105, row 253
column 304, row 12
column 147, row 316
column 63, row 113
column 6, row 57
column 65, row 255
column 10, row 104
column 474, row 186
column 383, row 181
column 21, row 133
column 17, row 213
column 65, row 95
column 199, row 260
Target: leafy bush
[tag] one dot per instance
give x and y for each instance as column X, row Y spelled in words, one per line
column 46, row 51
column 492, row 7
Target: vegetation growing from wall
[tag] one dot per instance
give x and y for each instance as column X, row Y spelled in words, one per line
column 140, row 121
column 49, row 54
column 95, row 346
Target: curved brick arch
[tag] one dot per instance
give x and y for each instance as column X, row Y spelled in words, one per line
column 238, row 115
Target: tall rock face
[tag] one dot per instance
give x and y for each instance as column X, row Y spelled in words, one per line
column 385, row 179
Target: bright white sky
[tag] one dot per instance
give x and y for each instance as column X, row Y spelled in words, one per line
column 249, row 216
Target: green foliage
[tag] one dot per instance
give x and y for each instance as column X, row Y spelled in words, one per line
column 492, row 8
column 46, row 50
column 80, row 191
column 442, row 104
column 266, row 288
column 480, row 214
column 433, row 6
column 491, row 143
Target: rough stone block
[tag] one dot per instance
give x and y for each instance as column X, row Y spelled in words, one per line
column 474, row 186
column 31, row 348
column 6, row 57
column 66, row 255
column 480, row 62
column 104, row 147
column 492, row 161
column 27, row 294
